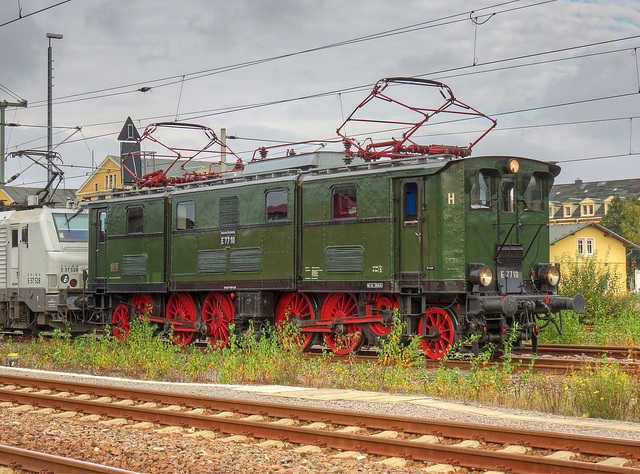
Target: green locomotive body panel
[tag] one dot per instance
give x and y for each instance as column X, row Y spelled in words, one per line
column 128, row 240
column 347, row 232
column 239, row 236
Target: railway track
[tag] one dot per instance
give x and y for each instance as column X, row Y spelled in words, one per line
column 617, row 352
column 433, row 441
column 21, row 460
column 551, row 358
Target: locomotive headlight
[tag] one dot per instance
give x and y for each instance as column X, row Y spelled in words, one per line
column 511, row 165
column 548, row 274
column 480, row 274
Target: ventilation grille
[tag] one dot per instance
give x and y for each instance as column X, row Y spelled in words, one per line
column 134, row 265
column 212, row 261
column 228, row 211
column 246, row 260
column 344, row 259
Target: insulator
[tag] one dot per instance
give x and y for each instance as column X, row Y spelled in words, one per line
column 263, row 153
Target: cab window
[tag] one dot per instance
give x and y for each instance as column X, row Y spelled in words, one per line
column 344, row 201
column 102, row 227
column 276, row 205
column 186, row 215
column 72, row 228
column 508, row 196
column 411, row 202
column 533, row 195
column 135, row 220
column 480, row 197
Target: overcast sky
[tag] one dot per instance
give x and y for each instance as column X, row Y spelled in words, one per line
column 561, row 77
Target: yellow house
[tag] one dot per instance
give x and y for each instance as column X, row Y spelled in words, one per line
column 591, row 240
column 104, row 179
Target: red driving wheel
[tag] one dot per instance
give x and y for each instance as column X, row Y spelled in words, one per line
column 181, row 307
column 346, row 338
column 293, row 308
column 218, row 313
column 120, row 322
column 437, row 322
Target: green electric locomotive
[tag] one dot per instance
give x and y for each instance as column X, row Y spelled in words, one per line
column 457, row 248
column 339, row 244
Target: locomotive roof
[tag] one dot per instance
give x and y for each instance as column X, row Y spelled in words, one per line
column 314, row 165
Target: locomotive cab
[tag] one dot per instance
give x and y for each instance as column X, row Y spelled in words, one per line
column 46, row 263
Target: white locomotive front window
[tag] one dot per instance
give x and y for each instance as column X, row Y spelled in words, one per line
column 72, row 228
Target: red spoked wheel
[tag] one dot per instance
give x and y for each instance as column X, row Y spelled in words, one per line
column 120, row 322
column 382, row 301
column 218, row 313
column 346, row 338
column 437, row 322
column 293, row 308
column 144, row 303
column 181, row 307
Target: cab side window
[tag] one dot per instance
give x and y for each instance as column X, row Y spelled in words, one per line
column 533, row 195
column 480, row 196
column 135, row 219
column 276, row 205
column 344, row 201
column 186, row 215
column 411, row 202
column 102, row 227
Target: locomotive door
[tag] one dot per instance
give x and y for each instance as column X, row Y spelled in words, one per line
column 411, row 226
column 101, row 247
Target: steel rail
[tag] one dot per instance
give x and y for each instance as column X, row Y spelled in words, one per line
column 42, row 462
column 602, row 446
column 404, row 448
column 619, row 352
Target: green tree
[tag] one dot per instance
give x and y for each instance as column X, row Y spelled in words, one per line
column 623, row 218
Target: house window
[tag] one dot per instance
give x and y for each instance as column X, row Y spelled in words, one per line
column 344, row 201
column 587, row 210
column 590, row 246
column 186, row 215
column 586, row 246
column 567, row 211
column 552, row 211
column 135, row 220
column 276, row 202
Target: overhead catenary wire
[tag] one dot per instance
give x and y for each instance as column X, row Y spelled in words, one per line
column 22, row 17
column 144, row 86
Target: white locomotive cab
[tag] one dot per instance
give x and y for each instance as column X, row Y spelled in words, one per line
column 43, row 256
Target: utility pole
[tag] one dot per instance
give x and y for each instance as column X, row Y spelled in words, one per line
column 50, row 36
column 3, row 105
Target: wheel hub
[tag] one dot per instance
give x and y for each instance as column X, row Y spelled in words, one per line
column 341, row 329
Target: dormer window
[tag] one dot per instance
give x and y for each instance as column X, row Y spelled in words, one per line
column 587, row 210
column 567, row 211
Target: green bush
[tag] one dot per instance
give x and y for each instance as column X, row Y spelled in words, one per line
column 596, row 281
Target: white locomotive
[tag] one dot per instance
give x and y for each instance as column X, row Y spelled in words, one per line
column 43, row 268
